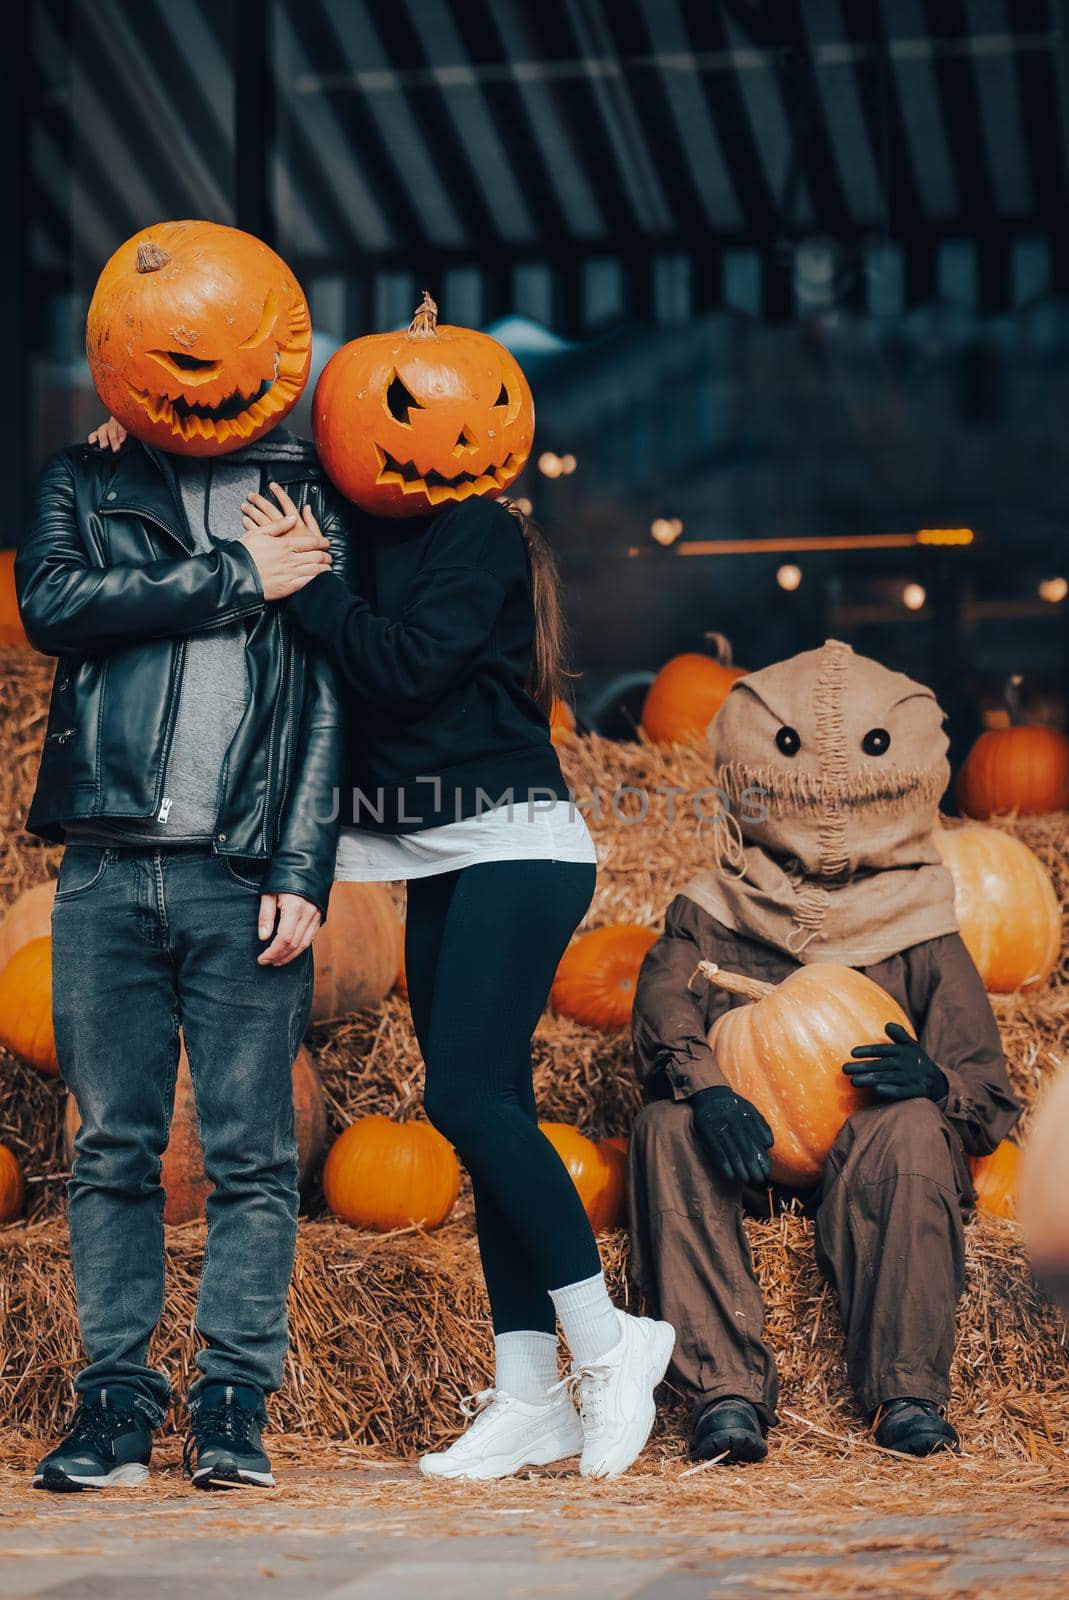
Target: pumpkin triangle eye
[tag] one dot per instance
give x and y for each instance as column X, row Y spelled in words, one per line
column 503, row 397
column 399, row 399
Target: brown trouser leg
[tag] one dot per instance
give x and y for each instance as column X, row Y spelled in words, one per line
column 890, row 1239
column 691, row 1260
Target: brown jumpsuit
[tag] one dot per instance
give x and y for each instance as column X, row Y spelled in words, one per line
column 889, row 1233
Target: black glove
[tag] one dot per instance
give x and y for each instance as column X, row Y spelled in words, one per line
column 901, row 1070
column 734, row 1133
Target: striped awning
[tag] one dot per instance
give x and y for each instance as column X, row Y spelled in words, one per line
column 583, row 159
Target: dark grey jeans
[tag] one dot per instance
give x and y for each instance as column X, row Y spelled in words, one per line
column 144, row 942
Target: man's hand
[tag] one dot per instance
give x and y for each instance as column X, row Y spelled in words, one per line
column 294, row 923
column 111, row 435
column 735, row 1134
column 901, row 1070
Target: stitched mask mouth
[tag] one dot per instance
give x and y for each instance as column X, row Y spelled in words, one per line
column 436, row 485
column 800, row 794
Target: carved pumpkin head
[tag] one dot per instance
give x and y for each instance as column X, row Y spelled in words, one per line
column 198, row 338
column 406, row 423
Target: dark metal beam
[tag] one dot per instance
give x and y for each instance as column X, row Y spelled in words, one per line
column 16, row 404
column 254, row 130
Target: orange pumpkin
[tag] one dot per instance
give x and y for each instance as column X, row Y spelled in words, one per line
column 198, row 337
column 595, row 982
column 995, row 1179
column 561, row 722
column 685, row 696
column 785, row 1053
column 1007, row 909
column 405, row 423
column 1043, row 1200
column 1022, row 770
column 29, row 916
column 12, row 1186
column 384, row 1175
column 183, row 1177
column 12, row 633
column 599, row 1175
column 26, row 1006
column 401, row 981
column 357, row 953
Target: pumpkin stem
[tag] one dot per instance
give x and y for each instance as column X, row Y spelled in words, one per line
column 424, row 324
column 735, row 982
column 151, row 257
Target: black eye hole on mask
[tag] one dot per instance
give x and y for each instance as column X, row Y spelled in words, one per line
column 876, row 742
column 788, row 741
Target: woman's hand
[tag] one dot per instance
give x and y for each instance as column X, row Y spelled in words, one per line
column 288, row 548
column 260, row 513
column 110, row 435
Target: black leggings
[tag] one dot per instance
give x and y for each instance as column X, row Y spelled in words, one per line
column 481, row 948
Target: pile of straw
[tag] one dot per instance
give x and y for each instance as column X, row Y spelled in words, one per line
column 385, row 1329
column 388, row 1334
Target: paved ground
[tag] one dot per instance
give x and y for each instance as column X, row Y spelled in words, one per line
column 374, row 1531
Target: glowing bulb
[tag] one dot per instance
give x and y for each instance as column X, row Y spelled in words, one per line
column 523, row 505
column 666, row 530
column 913, row 596
column 789, row 576
column 1053, row 590
column 568, row 465
column 550, row 464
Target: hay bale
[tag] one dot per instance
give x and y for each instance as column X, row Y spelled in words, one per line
column 25, row 684
column 388, row 1333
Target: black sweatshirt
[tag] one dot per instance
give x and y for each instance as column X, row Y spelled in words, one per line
column 434, row 649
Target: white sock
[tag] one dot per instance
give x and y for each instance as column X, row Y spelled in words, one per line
column 588, row 1319
column 525, row 1364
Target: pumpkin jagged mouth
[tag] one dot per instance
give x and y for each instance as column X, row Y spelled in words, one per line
column 435, row 485
column 239, row 415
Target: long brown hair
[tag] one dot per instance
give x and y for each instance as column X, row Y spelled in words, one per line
column 549, row 660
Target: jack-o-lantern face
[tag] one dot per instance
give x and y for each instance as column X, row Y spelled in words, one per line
column 406, row 423
column 198, row 338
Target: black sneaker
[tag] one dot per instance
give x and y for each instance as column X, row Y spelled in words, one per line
column 223, row 1449
column 913, row 1428
column 110, row 1442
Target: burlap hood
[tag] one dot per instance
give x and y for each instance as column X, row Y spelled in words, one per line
column 833, row 767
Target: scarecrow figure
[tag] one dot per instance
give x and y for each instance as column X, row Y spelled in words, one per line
column 831, row 769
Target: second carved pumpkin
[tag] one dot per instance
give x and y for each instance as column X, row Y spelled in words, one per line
column 785, row 1053
column 406, row 423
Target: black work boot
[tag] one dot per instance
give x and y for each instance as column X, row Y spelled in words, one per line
column 223, row 1449
column 913, row 1428
column 731, row 1428
column 110, row 1442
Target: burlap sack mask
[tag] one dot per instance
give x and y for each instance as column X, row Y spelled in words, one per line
column 834, row 767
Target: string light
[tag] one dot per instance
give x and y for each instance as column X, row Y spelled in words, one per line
column 913, row 596
column 666, row 530
column 568, row 465
column 523, row 505
column 789, row 576
column 1053, row 590
column 550, row 464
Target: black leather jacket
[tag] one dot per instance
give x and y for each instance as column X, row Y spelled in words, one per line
column 108, row 582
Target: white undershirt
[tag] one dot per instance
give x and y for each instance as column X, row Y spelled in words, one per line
column 539, row 831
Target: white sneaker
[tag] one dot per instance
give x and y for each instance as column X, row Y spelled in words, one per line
column 508, row 1434
column 616, row 1395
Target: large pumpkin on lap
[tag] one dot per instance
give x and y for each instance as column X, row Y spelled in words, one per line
column 785, row 1053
